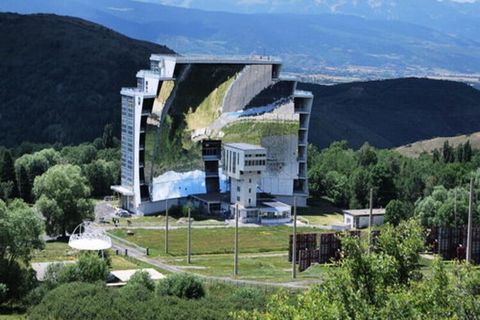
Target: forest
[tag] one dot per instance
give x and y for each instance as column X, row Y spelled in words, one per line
column 432, row 187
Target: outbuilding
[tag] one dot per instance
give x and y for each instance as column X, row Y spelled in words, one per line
column 358, row 218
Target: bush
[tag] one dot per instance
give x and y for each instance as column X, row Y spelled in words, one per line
column 182, row 285
column 91, row 268
column 35, row 296
column 3, row 292
column 248, row 298
column 142, row 278
column 77, row 301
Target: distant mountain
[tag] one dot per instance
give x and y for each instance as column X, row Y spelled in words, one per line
column 60, row 77
column 392, row 113
column 368, row 47
column 461, row 18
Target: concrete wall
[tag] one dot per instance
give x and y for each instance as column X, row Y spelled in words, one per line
column 282, row 166
column 155, row 207
column 362, row 221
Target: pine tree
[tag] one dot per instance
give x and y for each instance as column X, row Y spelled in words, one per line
column 24, row 185
column 467, row 151
column 107, row 138
column 459, row 153
column 7, row 172
column 448, row 155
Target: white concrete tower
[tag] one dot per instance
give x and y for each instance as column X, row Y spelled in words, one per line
column 243, row 163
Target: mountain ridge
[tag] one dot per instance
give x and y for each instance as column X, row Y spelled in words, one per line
column 67, row 73
column 327, row 43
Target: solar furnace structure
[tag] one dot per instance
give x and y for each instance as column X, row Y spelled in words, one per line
column 183, row 101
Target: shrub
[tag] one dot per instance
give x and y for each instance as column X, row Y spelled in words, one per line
column 36, row 295
column 91, row 268
column 182, row 285
column 248, row 298
column 3, row 292
column 142, row 278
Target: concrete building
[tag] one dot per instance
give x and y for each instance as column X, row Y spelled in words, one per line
column 181, row 101
column 358, row 219
column 244, row 163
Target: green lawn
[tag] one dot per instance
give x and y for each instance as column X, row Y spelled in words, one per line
column 213, row 240
column 159, row 221
column 12, row 317
column 320, row 212
column 55, row 251
column 123, row 263
column 272, row 267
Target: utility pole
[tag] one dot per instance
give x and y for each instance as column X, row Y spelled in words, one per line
column 294, row 240
column 370, row 221
column 166, row 227
column 189, row 240
column 235, row 257
column 455, row 206
column 469, row 231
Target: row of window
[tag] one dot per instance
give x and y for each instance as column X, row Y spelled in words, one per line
column 255, row 162
column 258, row 155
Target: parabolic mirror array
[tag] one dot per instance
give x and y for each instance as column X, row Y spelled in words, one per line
column 181, row 101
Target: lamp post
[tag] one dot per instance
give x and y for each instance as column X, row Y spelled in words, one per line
column 294, row 240
column 235, row 257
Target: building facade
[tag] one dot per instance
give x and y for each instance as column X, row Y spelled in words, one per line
column 181, row 101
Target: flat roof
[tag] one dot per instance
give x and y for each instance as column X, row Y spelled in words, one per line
column 125, row 275
column 245, row 146
column 123, row 190
column 277, row 205
column 41, row 267
column 365, row 212
column 210, row 197
column 212, row 59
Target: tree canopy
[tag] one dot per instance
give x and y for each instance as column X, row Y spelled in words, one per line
column 63, row 198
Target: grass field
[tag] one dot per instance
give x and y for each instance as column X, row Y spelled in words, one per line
column 320, row 212
column 213, row 240
column 272, row 267
column 12, row 317
column 60, row 251
column 159, row 221
column 55, row 251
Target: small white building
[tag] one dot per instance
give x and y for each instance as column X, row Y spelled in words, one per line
column 358, row 218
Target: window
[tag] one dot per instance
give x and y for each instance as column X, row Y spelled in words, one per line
column 234, row 162
column 238, row 188
column 249, row 201
column 238, row 198
column 249, row 190
column 249, row 180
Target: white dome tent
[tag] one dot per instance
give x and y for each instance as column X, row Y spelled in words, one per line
column 86, row 236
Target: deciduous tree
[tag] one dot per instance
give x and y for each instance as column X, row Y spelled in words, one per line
column 62, row 194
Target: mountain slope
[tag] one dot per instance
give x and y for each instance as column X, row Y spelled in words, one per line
column 415, row 149
column 324, row 43
column 394, row 112
column 460, row 18
column 60, row 77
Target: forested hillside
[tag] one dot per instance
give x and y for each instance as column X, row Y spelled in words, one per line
column 60, row 77
column 391, row 113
